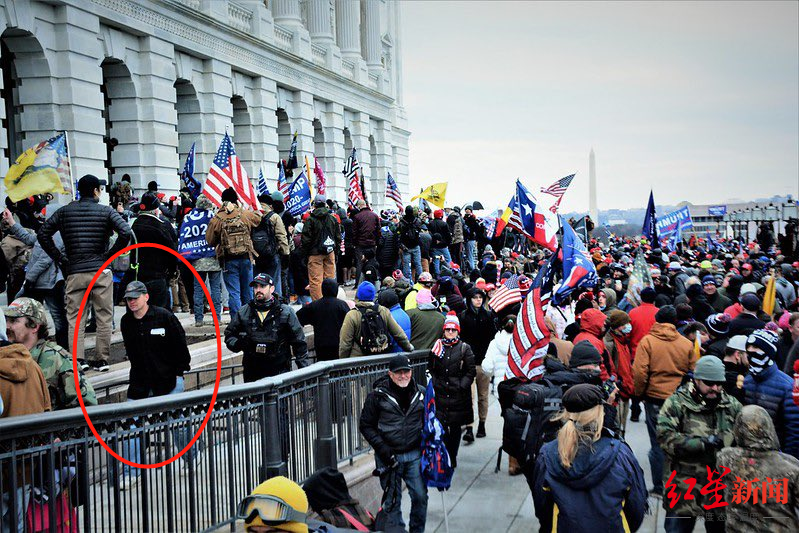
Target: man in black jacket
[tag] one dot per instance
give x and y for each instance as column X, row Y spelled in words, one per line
column 326, row 315
column 267, row 332
column 478, row 327
column 155, row 266
column 321, row 239
column 391, row 421
column 86, row 227
column 441, row 240
column 409, row 229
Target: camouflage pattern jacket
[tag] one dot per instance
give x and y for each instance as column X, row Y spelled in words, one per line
column 683, row 422
column 56, row 365
column 757, row 457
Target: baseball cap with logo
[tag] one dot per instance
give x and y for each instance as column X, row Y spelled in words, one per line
column 262, row 279
column 135, row 289
column 27, row 307
column 425, row 277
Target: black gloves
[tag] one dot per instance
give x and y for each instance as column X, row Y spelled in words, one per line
column 713, row 443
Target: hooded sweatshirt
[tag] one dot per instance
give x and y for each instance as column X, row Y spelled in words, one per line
column 757, row 455
column 592, row 329
column 22, row 384
column 604, row 490
column 326, row 315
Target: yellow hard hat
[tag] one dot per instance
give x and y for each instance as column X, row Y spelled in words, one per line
column 278, row 498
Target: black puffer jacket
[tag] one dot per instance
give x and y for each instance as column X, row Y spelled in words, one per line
column 440, row 232
column 155, row 263
column 86, row 227
column 386, row 427
column 320, row 225
column 478, row 328
column 453, row 374
column 280, row 333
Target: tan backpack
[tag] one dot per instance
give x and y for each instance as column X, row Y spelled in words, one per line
column 235, row 239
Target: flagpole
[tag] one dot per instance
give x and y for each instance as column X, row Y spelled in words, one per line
column 69, row 153
column 444, row 507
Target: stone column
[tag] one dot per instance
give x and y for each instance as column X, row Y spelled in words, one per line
column 359, row 129
column 319, row 21
column 301, row 118
column 264, row 120
column 400, row 156
column 158, row 137
column 348, row 17
column 214, row 91
column 382, row 164
column 370, row 33
column 286, row 12
column 333, row 128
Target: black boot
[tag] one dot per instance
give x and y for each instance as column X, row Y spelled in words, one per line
column 481, row 430
column 468, row 437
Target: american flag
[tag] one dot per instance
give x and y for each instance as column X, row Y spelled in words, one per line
column 226, row 171
column 263, row 189
column 351, row 167
column 282, row 184
column 558, row 189
column 506, row 294
column 392, row 191
column 528, row 346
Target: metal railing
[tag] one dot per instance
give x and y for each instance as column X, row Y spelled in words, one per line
column 53, row 469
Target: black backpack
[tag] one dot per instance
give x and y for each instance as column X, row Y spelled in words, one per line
column 373, row 338
column 264, row 240
column 528, row 408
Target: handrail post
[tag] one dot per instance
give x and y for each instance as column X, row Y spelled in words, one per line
column 275, row 463
column 325, row 445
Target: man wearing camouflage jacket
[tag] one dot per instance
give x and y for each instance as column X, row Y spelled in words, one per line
column 26, row 324
column 694, row 423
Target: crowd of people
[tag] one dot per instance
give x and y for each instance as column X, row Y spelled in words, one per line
column 707, row 352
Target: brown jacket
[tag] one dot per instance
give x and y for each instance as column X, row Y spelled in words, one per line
column 213, row 234
column 351, row 329
column 564, row 347
column 22, row 384
column 662, row 358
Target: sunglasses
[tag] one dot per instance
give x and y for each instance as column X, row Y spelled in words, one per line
column 713, row 383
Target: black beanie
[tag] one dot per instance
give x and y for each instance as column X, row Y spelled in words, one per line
column 581, row 398
column 648, row 295
column 229, row 195
column 666, row 315
column 149, row 201
column 582, row 305
column 584, row 353
column 388, row 298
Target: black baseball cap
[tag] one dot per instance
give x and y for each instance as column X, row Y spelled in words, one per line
column 399, row 362
column 262, row 279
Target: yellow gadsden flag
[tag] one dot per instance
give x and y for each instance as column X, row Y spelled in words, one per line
column 434, row 194
column 40, row 170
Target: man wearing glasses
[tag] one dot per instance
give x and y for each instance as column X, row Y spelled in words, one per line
column 86, row 227
column 694, row 424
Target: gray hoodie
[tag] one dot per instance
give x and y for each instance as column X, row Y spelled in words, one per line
column 42, row 271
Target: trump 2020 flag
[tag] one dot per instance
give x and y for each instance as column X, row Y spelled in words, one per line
column 299, row 198
column 436, row 466
column 650, row 230
column 187, row 176
column 578, row 269
column 40, row 170
column 263, row 189
column 538, row 224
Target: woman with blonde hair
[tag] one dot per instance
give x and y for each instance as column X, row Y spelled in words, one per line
column 586, row 480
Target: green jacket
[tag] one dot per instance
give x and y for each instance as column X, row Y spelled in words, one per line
column 312, row 232
column 56, row 365
column 682, row 424
column 427, row 326
column 351, row 331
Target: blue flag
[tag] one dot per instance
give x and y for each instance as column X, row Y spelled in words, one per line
column 437, row 469
column 191, row 241
column 263, row 189
column 650, row 230
column 578, row 268
column 188, row 175
column 299, row 197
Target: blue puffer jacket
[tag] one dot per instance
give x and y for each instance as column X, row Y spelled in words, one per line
column 773, row 391
column 604, row 490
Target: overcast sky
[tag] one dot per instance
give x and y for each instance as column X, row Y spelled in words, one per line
column 699, row 101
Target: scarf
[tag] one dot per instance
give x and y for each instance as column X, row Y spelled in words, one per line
column 438, row 347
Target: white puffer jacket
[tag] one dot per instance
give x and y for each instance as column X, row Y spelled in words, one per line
column 496, row 359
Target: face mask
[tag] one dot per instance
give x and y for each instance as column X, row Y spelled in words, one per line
column 602, row 307
column 627, row 328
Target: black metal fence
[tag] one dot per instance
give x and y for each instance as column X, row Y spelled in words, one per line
column 54, row 472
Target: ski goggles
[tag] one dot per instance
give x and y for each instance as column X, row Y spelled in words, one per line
column 271, row 510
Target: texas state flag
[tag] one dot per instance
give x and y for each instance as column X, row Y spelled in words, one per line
column 539, row 224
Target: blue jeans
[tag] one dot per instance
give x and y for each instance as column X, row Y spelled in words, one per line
column 411, row 255
column 215, row 280
column 131, row 449
column 471, row 253
column 410, row 471
column 656, row 457
column 238, row 275
column 437, row 252
column 272, row 267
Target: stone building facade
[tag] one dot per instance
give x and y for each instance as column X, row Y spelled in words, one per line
column 136, row 82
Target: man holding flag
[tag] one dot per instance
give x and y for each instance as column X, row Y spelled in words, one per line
column 392, row 420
